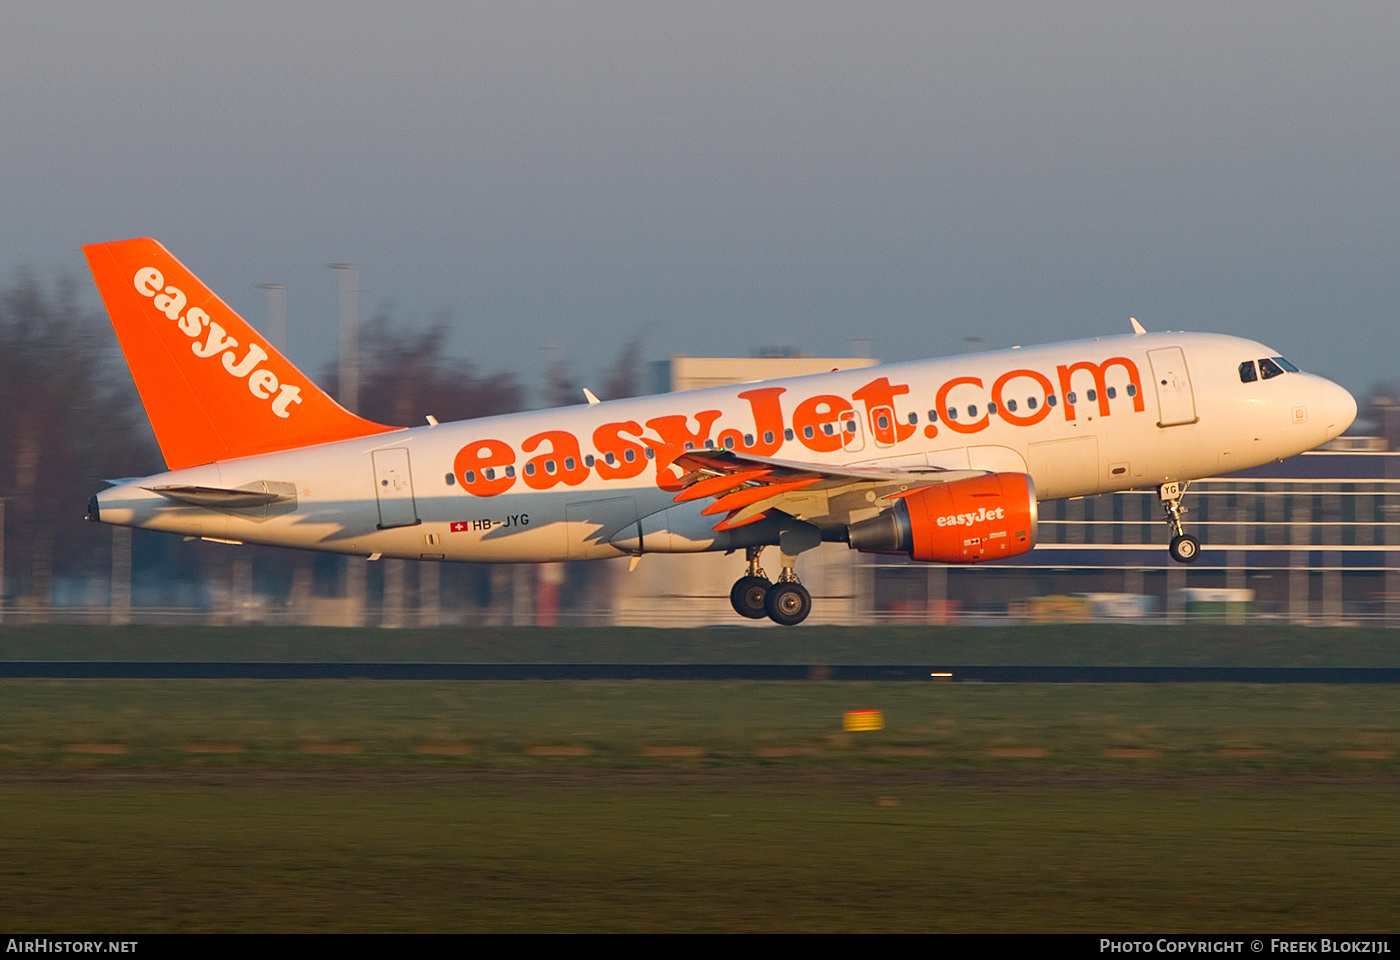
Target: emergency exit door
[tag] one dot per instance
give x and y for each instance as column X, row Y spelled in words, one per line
column 393, row 485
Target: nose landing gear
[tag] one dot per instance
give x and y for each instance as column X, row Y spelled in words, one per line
column 1183, row 548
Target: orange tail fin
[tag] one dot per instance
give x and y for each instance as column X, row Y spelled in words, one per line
column 213, row 388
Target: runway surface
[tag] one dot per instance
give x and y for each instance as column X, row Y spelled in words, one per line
column 225, row 670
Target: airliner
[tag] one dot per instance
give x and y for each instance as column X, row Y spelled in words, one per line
column 943, row 461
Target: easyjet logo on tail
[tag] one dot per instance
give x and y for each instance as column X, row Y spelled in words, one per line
column 211, row 340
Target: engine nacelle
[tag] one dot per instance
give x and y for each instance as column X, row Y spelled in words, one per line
column 965, row 521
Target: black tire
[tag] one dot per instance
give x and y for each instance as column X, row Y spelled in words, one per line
column 747, row 596
column 788, row 603
column 1185, row 548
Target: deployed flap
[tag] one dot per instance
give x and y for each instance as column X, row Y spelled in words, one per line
column 715, row 462
column 213, row 388
column 746, row 487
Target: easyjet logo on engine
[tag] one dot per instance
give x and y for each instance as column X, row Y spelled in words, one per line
column 824, row 423
column 196, row 324
column 968, row 519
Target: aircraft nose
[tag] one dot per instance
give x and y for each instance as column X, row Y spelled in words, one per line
column 1340, row 407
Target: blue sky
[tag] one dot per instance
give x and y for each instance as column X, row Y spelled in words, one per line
column 720, row 177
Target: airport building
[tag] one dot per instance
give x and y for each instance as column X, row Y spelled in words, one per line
column 1312, row 539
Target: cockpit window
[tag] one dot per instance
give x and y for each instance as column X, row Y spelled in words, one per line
column 1247, row 372
column 1285, row 364
column 1269, row 369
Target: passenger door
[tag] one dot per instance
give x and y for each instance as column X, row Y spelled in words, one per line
column 1176, row 403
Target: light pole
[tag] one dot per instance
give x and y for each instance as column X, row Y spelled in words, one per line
column 349, row 337
column 356, row 579
column 276, row 315
column 2, row 559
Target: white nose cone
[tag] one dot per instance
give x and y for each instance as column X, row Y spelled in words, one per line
column 1340, row 407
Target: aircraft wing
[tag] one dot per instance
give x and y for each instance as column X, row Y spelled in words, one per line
column 745, row 487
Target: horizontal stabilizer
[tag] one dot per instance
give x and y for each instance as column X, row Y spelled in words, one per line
column 256, row 494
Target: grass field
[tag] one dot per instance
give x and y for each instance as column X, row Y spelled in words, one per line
column 179, row 805
column 547, row 724
column 147, row 851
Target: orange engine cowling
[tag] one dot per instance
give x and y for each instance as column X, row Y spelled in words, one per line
column 965, row 521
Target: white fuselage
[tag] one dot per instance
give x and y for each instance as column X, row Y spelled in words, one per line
column 1081, row 418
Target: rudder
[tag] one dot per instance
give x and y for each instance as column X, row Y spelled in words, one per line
column 213, row 388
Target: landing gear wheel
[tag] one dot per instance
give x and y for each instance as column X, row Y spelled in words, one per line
column 788, row 603
column 747, row 596
column 1185, row 548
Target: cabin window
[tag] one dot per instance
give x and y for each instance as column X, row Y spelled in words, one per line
column 471, row 476
column 1011, row 406
column 913, row 418
column 1031, row 403
column 883, row 422
column 1112, row 392
column 588, row 461
column 1132, row 390
column 629, row 455
column 768, row 436
column 451, row 480
column 550, row 467
column 850, row 426
column 729, row 443
column 748, row 439
column 1071, row 399
column 529, row 469
column 829, row 430
column 788, row 434
column 569, row 464
column 490, row 473
column 689, row 445
column 1092, row 395
column 610, row 458
column 808, row 432
column 933, row 416
column 992, row 408
column 510, row 472
column 972, row 411
column 1052, row 401
column 651, row 454
column 952, row 413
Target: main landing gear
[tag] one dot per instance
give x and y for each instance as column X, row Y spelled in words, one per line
column 1183, row 548
column 786, row 602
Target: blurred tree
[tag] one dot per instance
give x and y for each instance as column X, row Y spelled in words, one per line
column 624, row 378
column 70, row 420
column 405, row 377
column 561, row 388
